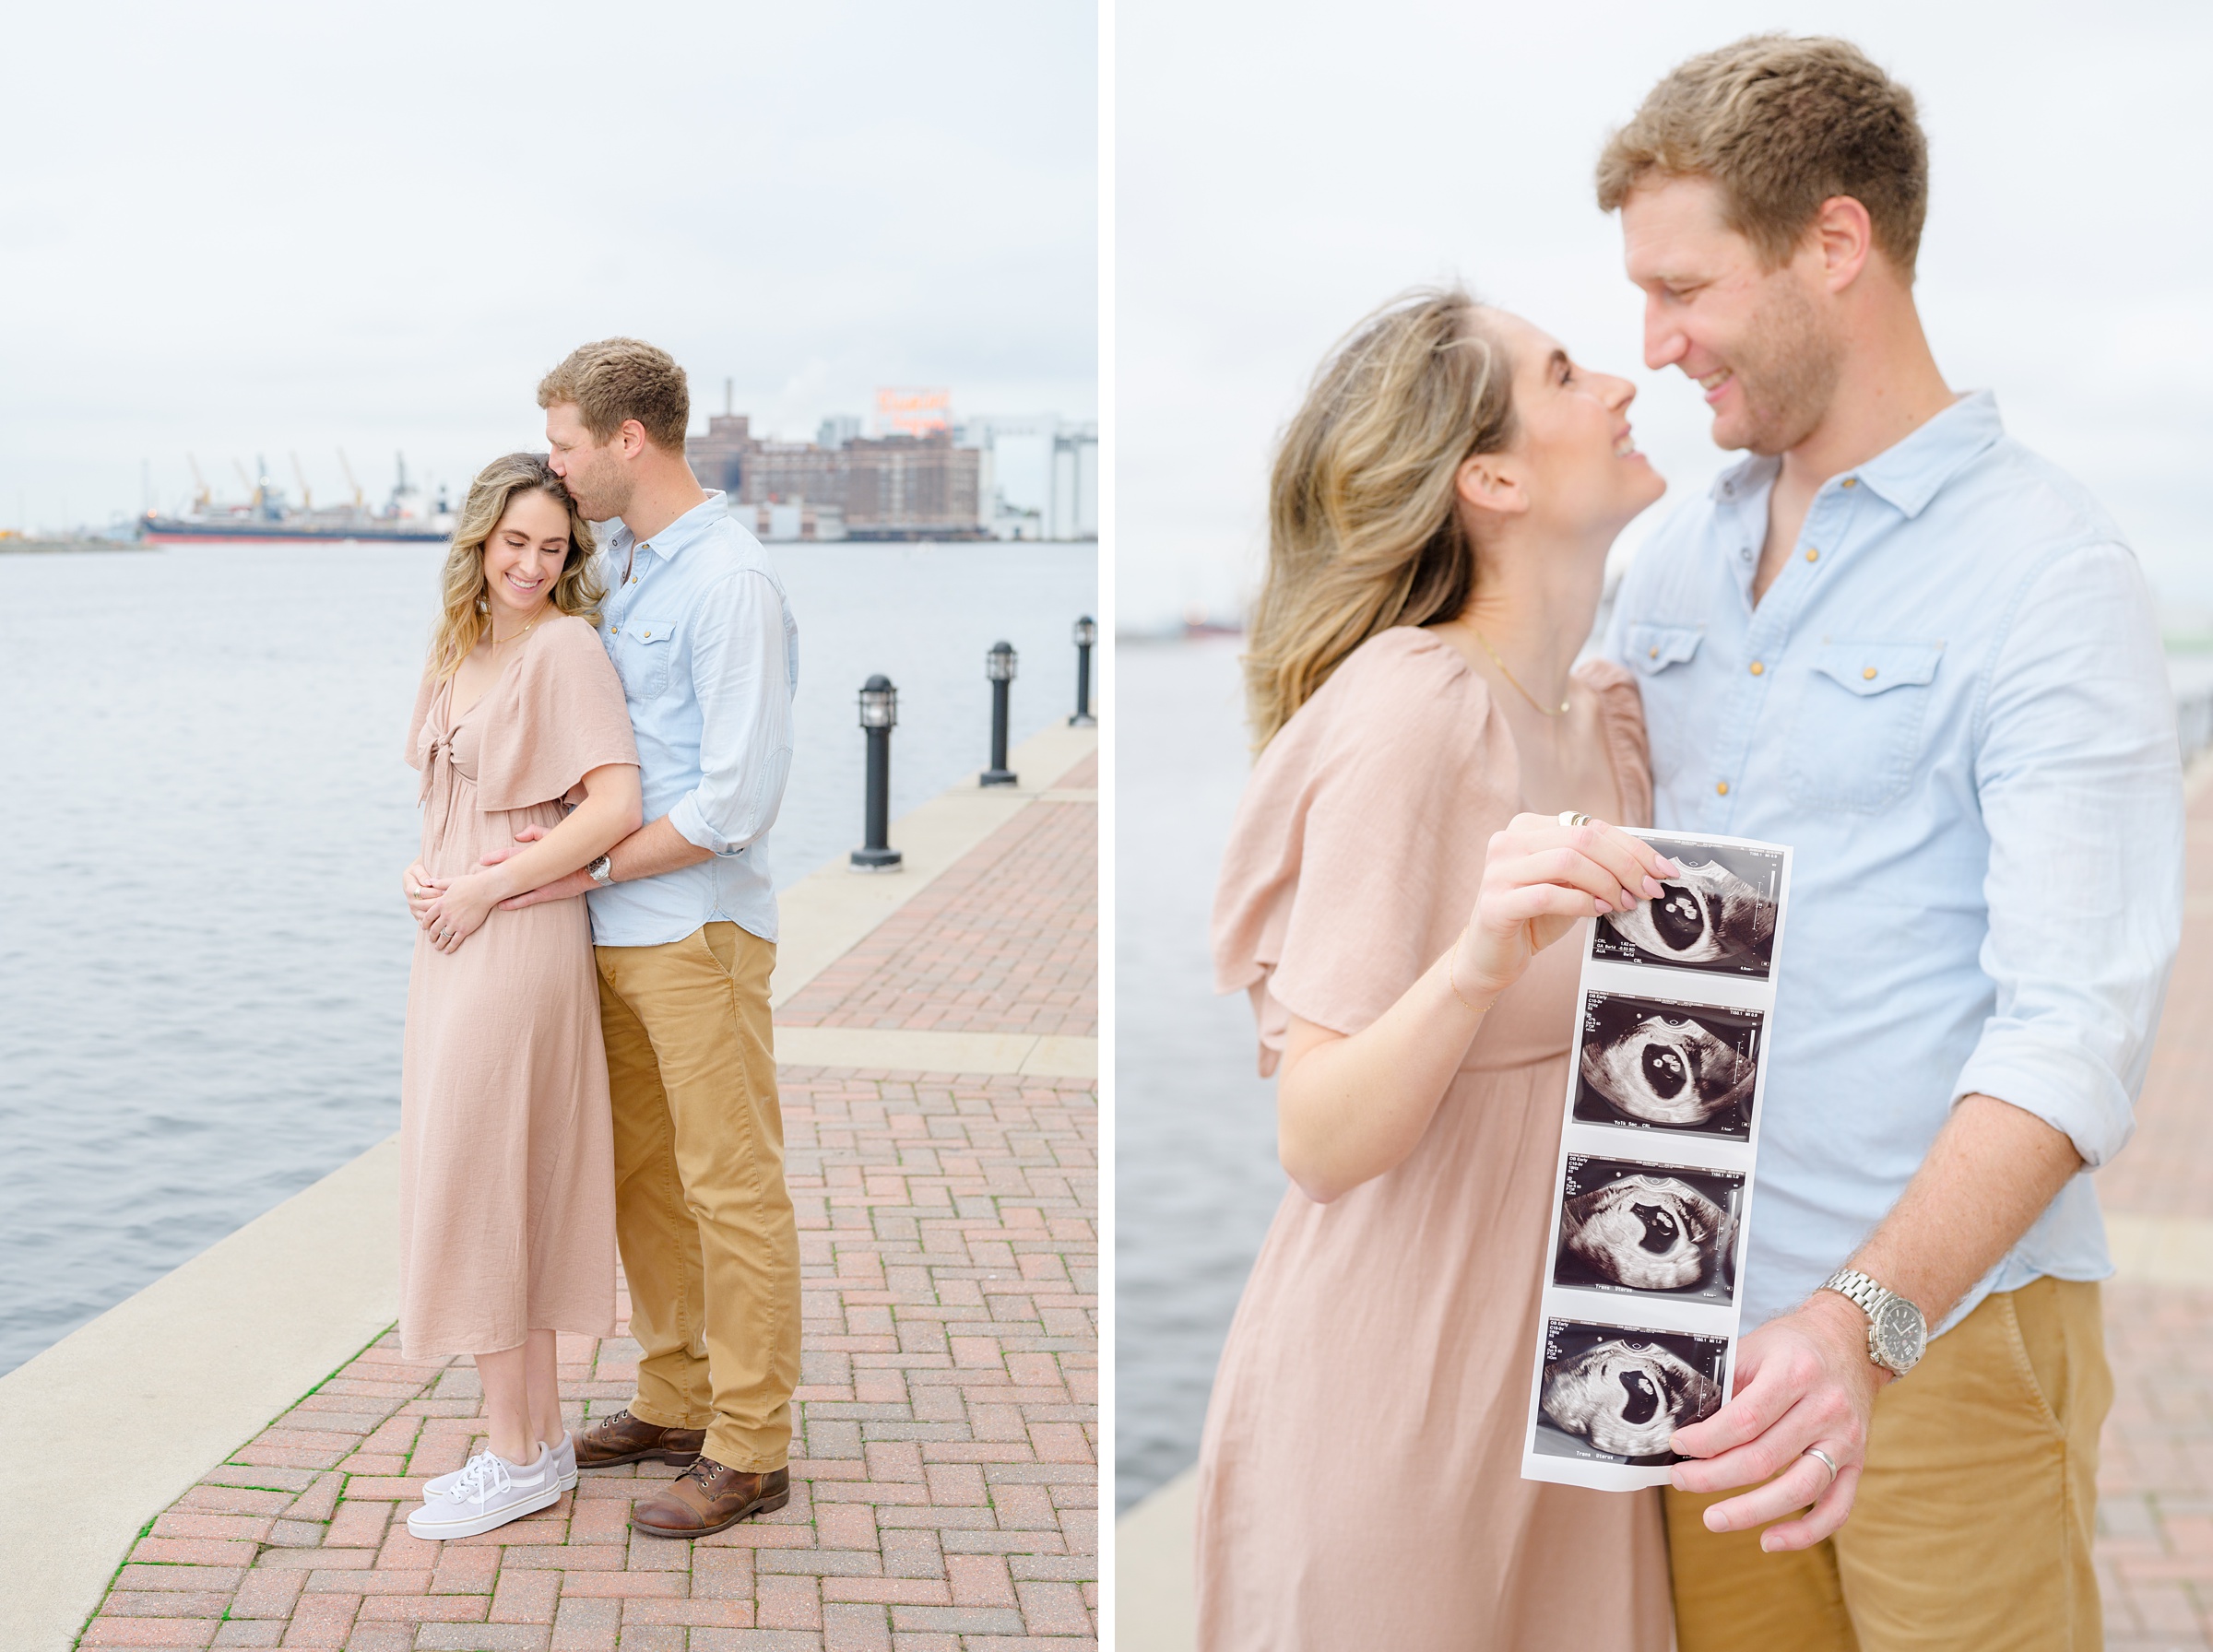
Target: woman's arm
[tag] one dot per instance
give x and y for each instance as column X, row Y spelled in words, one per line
column 1348, row 1108
column 609, row 812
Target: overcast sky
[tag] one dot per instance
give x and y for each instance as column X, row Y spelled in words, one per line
column 1285, row 167
column 231, row 228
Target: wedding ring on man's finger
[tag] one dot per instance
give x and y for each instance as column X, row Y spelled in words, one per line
column 1827, row 1461
column 1569, row 818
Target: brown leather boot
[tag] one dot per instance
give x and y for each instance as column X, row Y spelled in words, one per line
column 623, row 1438
column 708, row 1497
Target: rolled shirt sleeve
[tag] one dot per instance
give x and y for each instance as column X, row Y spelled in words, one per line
column 2079, row 782
column 741, row 672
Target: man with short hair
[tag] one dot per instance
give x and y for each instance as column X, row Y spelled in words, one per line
column 684, row 926
column 1900, row 641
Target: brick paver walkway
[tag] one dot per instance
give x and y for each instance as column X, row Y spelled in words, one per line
column 944, row 1495
column 2155, row 1509
column 1003, row 942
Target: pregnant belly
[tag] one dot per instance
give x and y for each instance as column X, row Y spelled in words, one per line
column 457, row 844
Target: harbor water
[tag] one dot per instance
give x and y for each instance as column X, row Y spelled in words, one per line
column 203, row 949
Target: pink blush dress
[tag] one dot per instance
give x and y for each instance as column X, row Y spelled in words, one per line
column 1360, row 1478
column 506, row 1137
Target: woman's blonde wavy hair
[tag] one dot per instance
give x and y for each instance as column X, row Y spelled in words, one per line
column 467, row 608
column 1364, row 530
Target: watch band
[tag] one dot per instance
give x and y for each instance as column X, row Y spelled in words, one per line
column 601, row 871
column 1863, row 1292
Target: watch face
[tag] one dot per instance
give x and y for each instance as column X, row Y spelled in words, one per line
column 1899, row 1335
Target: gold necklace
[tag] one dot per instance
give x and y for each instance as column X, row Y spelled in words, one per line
column 1544, row 709
column 498, row 642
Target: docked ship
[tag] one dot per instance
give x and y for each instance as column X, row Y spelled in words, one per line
column 270, row 517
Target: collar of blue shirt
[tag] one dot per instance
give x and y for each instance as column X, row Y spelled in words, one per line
column 1906, row 476
column 670, row 539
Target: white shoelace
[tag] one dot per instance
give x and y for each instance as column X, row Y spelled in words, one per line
column 484, row 1477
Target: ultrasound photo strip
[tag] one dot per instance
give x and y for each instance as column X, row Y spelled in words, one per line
column 1718, row 915
column 1659, row 1147
column 1609, row 1396
column 1663, row 1230
column 1657, row 1064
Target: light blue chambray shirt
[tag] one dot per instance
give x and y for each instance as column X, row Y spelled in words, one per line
column 1953, row 703
column 703, row 640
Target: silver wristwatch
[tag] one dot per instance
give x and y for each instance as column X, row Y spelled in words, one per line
column 1897, row 1334
column 602, row 870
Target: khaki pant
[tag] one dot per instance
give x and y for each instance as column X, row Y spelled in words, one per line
column 701, row 1214
column 1973, row 1525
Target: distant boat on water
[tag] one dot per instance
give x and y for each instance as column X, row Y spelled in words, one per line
column 268, row 517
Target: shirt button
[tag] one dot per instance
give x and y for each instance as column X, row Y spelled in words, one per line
column 1851, row 482
column 1868, row 674
column 1758, row 669
column 1721, row 786
column 1652, row 653
column 1746, row 553
column 1812, row 554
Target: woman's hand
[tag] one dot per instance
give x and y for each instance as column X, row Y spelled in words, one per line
column 420, row 889
column 1540, row 878
column 459, row 909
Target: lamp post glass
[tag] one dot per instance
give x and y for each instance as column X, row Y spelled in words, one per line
column 879, row 716
column 878, row 703
column 998, row 666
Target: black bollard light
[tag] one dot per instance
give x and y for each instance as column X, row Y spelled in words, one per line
column 999, row 666
column 1087, row 633
column 879, row 716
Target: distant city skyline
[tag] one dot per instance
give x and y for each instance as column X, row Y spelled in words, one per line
column 259, row 230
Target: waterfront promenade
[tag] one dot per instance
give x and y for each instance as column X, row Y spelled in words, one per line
column 2155, row 1509
column 938, row 1038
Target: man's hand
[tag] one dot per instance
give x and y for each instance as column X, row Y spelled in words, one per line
column 1802, row 1380
column 578, row 882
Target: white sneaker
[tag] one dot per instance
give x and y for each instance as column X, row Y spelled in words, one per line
column 490, row 1491
column 565, row 1460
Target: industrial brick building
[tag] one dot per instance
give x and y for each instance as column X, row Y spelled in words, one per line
column 898, row 487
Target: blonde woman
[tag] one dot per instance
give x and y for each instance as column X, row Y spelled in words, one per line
column 1441, row 513
column 507, row 1199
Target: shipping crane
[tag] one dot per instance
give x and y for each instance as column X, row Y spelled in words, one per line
column 307, row 495
column 201, row 497
column 350, row 481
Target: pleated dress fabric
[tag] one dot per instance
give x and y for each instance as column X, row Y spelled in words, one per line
column 507, row 1183
column 1360, row 1472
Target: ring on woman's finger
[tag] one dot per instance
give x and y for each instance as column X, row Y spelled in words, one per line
column 1569, row 818
column 1827, row 1461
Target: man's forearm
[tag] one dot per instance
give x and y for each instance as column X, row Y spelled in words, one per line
column 1991, row 1171
column 656, row 847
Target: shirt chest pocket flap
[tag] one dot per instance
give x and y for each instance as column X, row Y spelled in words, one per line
column 1856, row 749
column 1653, row 648
column 652, row 644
